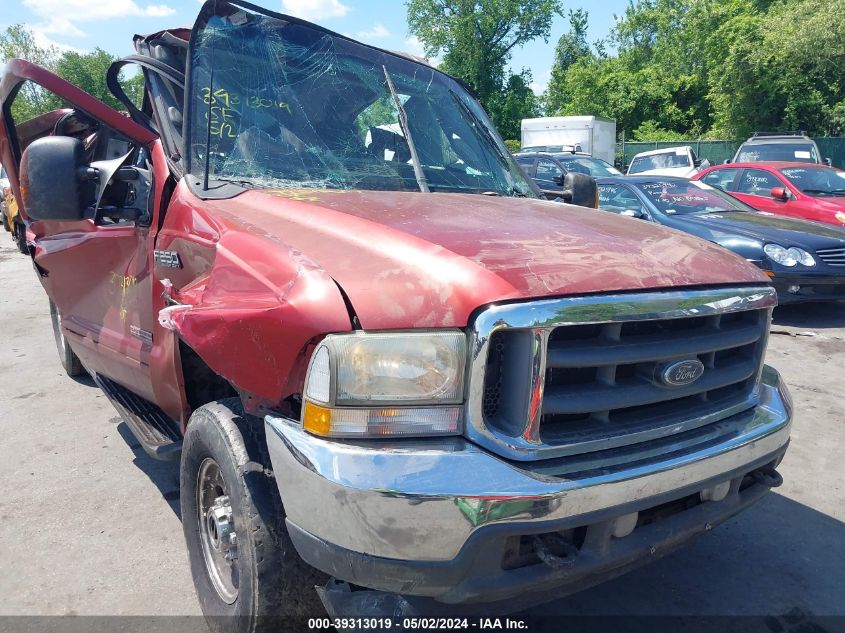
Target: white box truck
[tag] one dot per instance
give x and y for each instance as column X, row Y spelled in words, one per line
column 595, row 136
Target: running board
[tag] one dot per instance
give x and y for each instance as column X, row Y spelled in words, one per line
column 152, row 427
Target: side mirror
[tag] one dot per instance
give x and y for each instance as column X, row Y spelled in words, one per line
column 559, row 179
column 580, row 190
column 828, row 162
column 780, row 193
column 727, row 161
column 55, row 182
column 633, row 213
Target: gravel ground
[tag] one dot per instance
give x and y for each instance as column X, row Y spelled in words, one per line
column 90, row 524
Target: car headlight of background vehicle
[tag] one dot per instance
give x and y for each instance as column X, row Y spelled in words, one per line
column 386, row 384
column 788, row 256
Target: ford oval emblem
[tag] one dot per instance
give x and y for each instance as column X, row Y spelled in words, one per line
column 682, row 373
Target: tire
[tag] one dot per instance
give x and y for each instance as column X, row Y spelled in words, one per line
column 20, row 238
column 268, row 578
column 70, row 361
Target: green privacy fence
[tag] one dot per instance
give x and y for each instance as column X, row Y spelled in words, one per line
column 834, row 149
column 718, row 152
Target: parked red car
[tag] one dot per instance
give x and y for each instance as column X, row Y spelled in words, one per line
column 800, row 190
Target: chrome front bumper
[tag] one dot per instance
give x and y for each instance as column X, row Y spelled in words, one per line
column 424, row 501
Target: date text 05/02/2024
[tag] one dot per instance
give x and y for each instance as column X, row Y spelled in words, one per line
column 423, row 624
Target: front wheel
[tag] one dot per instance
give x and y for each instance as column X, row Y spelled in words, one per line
column 70, row 361
column 20, row 238
column 246, row 571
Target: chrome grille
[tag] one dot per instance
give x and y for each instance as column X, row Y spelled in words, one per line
column 832, row 256
column 572, row 376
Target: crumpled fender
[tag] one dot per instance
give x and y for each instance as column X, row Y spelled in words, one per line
column 252, row 315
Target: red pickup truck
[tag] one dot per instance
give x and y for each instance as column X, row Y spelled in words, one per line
column 310, row 270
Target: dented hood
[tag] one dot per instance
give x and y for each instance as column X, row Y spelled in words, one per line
column 409, row 260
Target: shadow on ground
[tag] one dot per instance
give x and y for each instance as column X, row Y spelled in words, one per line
column 778, row 559
column 85, row 379
column 165, row 475
column 811, row 315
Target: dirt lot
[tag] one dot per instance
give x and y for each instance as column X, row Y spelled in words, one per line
column 90, row 524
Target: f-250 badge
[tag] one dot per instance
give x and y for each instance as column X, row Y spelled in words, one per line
column 167, row 259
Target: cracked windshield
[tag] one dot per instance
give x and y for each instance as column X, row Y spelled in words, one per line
column 286, row 105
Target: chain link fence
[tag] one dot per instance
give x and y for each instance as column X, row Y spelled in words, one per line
column 718, row 152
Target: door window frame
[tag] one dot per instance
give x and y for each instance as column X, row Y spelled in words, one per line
column 647, row 215
column 740, row 177
column 733, row 182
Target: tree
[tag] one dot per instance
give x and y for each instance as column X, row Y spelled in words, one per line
column 516, row 102
column 571, row 48
column 715, row 69
column 476, row 37
column 17, row 41
column 84, row 70
column 87, row 71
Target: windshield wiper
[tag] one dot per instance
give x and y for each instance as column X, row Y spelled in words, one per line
column 403, row 123
column 485, row 133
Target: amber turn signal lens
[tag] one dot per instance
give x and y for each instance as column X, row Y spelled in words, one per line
column 317, row 419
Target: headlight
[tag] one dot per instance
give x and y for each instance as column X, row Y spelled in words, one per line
column 801, row 256
column 840, row 216
column 386, row 384
column 779, row 254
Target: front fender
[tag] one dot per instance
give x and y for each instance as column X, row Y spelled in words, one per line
column 254, row 305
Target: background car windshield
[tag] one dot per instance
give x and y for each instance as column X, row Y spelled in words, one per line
column 816, row 181
column 590, row 166
column 669, row 160
column 547, row 148
column 290, row 106
column 684, row 197
column 791, row 152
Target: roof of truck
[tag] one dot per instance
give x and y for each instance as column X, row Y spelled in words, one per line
column 664, row 150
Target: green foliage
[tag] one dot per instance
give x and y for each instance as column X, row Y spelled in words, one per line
column 381, row 112
column 88, row 72
column 690, row 68
column 571, row 48
column 18, row 41
column 516, row 102
column 513, row 145
column 651, row 131
column 84, row 70
column 476, row 37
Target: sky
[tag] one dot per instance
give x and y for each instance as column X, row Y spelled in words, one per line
column 110, row 24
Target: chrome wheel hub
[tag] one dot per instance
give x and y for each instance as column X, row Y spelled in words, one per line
column 217, row 531
column 221, row 529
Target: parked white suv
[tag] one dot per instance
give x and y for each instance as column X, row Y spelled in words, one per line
column 671, row 161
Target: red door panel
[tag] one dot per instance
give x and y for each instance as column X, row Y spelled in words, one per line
column 99, row 276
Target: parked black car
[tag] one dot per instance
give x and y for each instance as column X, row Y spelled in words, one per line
column 549, row 169
column 805, row 260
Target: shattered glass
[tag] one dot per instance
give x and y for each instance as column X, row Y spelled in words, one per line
column 285, row 105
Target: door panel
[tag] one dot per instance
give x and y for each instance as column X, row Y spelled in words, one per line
column 754, row 188
column 96, row 270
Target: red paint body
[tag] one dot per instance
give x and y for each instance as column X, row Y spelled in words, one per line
column 262, row 272
column 830, row 210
